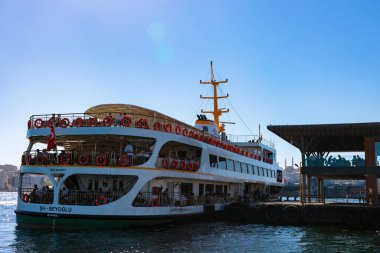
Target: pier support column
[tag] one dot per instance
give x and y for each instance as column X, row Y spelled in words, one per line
column 371, row 179
column 320, row 190
column 308, row 188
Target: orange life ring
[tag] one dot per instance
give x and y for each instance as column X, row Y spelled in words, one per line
column 126, row 121
column 83, row 159
column 65, row 122
column 78, row 122
column 177, row 129
column 182, row 165
column 174, row 164
column 165, row 163
column 185, row 132
column 123, row 160
column 107, row 121
column 38, row 123
column 101, row 160
column 101, row 200
column 92, row 122
column 142, row 123
column 155, row 202
column 157, row 126
column 168, row 128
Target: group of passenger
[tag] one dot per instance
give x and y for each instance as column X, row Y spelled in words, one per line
column 117, row 120
column 331, row 161
column 41, row 195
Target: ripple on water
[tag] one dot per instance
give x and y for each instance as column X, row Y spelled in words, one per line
column 195, row 237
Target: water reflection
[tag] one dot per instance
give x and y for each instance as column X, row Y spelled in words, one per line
column 194, row 237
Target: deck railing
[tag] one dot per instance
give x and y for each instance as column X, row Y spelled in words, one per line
column 181, row 164
column 166, row 124
column 88, row 198
column 40, row 196
column 83, row 158
column 149, row 199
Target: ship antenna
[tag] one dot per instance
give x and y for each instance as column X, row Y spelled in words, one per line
column 217, row 112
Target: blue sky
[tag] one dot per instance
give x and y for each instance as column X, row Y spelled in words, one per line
column 288, row 62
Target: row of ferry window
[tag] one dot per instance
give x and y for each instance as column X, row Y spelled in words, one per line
column 231, row 165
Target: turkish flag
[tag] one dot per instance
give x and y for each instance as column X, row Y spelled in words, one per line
column 51, row 142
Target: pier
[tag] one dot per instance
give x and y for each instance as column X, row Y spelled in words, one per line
column 326, row 154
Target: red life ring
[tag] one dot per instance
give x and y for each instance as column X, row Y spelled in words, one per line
column 189, row 166
column 29, row 124
column 101, row 160
column 174, row 164
column 126, row 121
column 123, row 160
column 185, row 132
column 38, row 123
column 78, row 122
column 182, row 165
column 196, row 166
column 155, row 202
column 142, row 123
column 168, row 128
column 83, row 159
column 65, row 122
column 177, row 129
column 107, row 121
column 65, row 158
column 157, row 126
column 165, row 163
column 101, row 200
column 92, row 122
column 191, row 134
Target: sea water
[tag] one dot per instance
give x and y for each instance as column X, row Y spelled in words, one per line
column 191, row 237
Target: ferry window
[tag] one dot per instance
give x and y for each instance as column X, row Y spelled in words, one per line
column 201, row 189
column 89, row 187
column 96, row 185
column 237, row 166
column 250, row 169
column 205, row 129
column 263, row 172
column 219, row 189
column 209, row 189
column 244, row 167
column 222, row 163
column 213, row 161
column 225, row 189
column 230, row 165
column 114, row 185
column 258, row 170
column 121, row 185
column 267, row 172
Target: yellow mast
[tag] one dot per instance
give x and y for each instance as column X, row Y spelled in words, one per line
column 217, row 112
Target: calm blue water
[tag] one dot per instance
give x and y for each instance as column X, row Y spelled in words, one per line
column 196, row 237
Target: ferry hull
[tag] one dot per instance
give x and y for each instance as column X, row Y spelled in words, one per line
column 38, row 220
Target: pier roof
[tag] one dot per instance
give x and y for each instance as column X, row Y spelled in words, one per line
column 348, row 137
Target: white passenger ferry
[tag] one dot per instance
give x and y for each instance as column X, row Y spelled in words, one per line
column 137, row 166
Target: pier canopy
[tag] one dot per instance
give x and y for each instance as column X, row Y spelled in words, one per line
column 327, row 137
